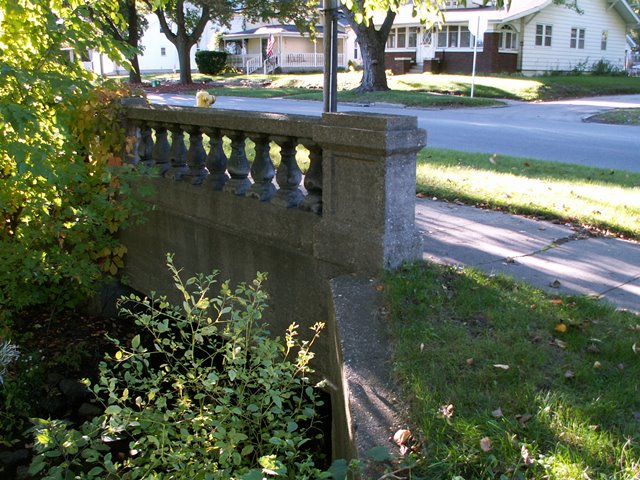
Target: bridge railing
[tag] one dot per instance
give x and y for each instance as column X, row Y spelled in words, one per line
column 219, row 204
column 161, row 144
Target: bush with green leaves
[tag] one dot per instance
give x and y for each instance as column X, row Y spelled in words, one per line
column 61, row 185
column 203, row 392
column 211, row 62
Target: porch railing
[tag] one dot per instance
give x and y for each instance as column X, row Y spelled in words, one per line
column 252, row 63
column 240, row 61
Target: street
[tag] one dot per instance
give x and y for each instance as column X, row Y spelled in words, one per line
column 547, row 131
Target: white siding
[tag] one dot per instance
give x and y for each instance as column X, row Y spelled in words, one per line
column 153, row 41
column 559, row 56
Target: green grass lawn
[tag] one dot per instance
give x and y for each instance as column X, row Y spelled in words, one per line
column 507, row 382
column 603, row 200
column 503, row 380
column 423, row 90
column 619, row 116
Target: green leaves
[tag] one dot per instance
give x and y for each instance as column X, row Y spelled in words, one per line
column 202, row 390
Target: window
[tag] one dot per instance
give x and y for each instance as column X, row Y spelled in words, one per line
column 577, row 38
column 543, row 35
column 163, row 52
column 412, row 37
column 508, row 38
column 455, row 36
column 603, row 40
column 402, row 37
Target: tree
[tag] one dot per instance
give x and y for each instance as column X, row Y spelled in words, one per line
column 58, row 208
column 189, row 22
column 130, row 32
column 183, row 22
column 372, row 40
column 372, row 43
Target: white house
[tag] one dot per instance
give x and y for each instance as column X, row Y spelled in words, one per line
column 158, row 53
column 532, row 36
column 266, row 46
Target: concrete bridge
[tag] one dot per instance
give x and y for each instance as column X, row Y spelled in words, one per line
column 318, row 236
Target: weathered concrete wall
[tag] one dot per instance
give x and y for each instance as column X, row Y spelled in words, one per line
column 363, row 177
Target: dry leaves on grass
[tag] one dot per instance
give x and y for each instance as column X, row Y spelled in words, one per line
column 485, row 444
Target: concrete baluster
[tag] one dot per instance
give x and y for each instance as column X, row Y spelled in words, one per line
column 238, row 167
column 313, row 179
column 196, row 156
column 289, row 176
column 145, row 146
column 262, row 170
column 161, row 149
column 216, row 161
column 177, row 154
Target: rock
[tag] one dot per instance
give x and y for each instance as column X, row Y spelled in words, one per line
column 87, row 411
column 74, row 391
column 12, row 458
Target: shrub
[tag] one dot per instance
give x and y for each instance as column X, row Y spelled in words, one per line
column 202, row 392
column 605, row 67
column 59, row 188
column 211, row 62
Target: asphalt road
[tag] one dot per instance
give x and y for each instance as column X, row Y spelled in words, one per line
column 548, row 130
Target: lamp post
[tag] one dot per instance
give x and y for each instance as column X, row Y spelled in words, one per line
column 330, row 43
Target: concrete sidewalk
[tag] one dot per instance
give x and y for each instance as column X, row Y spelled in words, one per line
column 553, row 257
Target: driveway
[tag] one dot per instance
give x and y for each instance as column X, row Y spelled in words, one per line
column 553, row 131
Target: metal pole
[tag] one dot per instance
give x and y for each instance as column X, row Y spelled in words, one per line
column 475, row 53
column 330, row 43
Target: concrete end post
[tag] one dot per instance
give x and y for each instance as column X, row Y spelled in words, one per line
column 369, row 179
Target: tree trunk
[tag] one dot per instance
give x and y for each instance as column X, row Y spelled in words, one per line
column 183, row 40
column 372, row 46
column 133, row 40
column 184, row 59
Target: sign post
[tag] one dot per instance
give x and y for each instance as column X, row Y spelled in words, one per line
column 330, row 41
column 477, row 27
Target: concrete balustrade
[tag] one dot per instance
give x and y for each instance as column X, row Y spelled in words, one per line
column 351, row 213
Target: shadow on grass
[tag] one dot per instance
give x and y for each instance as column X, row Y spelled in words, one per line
column 527, row 398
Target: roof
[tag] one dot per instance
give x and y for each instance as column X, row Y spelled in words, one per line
column 276, row 30
column 518, row 9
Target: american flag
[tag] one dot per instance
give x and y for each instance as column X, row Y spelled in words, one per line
column 270, row 45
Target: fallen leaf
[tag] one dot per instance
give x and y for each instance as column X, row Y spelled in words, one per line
column 402, row 437
column 421, row 347
column 569, row 374
column 561, row 327
column 470, row 361
column 447, row 411
column 421, row 195
column 621, row 366
column 557, row 301
column 526, row 456
column 510, row 260
column 485, row 444
column 502, row 366
column 497, row 413
column 597, row 364
column 380, row 287
column 523, row 419
column 492, row 158
column 593, row 349
column 555, row 284
column 594, row 428
column 635, row 349
column 558, row 343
